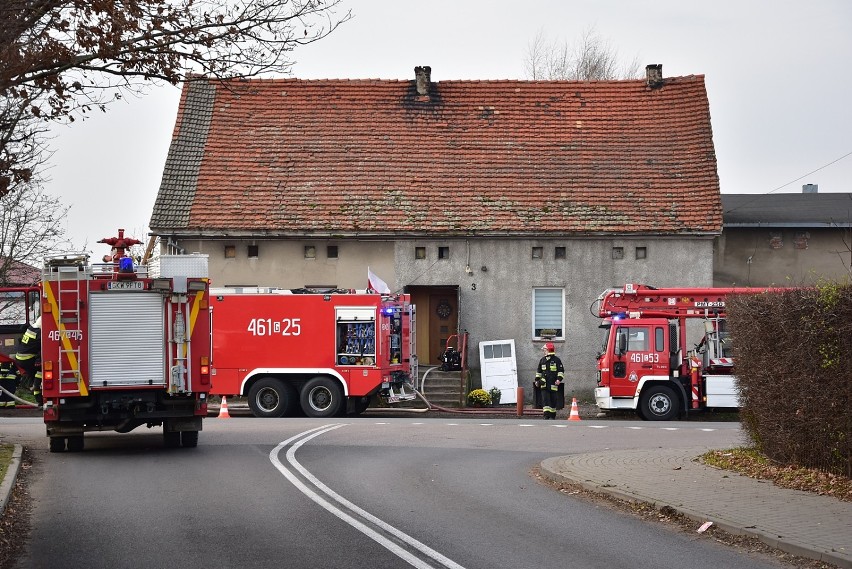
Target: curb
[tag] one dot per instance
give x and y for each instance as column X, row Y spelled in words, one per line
column 11, row 476
column 550, row 471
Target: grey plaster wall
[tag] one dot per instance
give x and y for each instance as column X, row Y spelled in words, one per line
column 496, row 297
column 782, row 256
column 283, row 264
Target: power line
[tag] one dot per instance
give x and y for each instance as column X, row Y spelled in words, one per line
column 809, row 173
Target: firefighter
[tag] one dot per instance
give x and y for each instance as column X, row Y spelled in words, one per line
column 549, row 376
column 9, row 382
column 28, row 357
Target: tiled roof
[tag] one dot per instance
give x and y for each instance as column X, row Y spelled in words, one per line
column 14, row 273
column 372, row 157
column 787, row 210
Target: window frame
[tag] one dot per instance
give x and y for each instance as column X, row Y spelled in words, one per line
column 533, row 320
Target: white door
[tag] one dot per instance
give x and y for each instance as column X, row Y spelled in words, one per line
column 497, row 362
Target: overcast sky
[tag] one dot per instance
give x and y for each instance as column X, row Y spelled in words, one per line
column 778, row 76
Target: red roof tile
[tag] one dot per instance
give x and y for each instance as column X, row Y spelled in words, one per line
column 341, row 157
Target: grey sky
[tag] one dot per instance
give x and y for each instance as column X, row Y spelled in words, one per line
column 777, row 74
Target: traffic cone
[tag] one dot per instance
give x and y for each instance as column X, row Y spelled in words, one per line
column 223, row 409
column 575, row 415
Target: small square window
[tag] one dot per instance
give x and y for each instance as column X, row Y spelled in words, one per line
column 559, row 253
column 443, row 252
column 618, row 252
column 641, row 252
column 253, row 251
column 537, row 252
column 331, row 251
column 310, row 252
column 420, row 252
column 230, row 252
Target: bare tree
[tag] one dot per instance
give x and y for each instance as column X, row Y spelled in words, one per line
column 62, row 58
column 590, row 58
column 31, row 226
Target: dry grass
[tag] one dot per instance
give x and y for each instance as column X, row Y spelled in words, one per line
column 750, row 462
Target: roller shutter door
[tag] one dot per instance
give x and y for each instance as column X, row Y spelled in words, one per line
column 126, row 339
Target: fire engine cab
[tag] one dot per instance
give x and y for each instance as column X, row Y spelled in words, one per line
column 121, row 349
column 643, row 364
column 324, row 352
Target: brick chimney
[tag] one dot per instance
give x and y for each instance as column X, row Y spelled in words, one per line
column 423, row 77
column 654, row 74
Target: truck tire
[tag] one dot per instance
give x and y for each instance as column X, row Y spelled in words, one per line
column 271, row 397
column 75, row 443
column 322, row 397
column 658, row 403
column 171, row 439
column 358, row 405
column 189, row 439
column 57, row 444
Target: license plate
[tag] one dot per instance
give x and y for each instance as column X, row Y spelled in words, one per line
column 125, row 285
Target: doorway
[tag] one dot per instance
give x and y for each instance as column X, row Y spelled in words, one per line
column 437, row 320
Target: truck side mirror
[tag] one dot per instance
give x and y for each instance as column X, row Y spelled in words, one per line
column 622, row 344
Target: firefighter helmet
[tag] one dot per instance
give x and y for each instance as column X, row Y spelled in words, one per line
column 549, row 348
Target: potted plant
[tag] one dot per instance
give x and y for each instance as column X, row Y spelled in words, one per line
column 495, row 394
column 478, row 398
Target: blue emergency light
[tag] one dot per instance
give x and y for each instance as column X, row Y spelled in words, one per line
column 125, row 265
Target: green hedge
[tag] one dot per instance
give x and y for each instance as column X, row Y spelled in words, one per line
column 793, row 352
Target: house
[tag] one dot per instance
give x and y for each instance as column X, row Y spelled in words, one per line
column 784, row 239
column 503, row 207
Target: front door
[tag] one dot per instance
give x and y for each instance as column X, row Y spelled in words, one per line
column 497, row 362
column 443, row 323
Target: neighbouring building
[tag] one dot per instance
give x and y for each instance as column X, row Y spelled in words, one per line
column 784, row 239
column 504, row 207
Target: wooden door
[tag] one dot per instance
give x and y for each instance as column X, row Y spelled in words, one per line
column 443, row 323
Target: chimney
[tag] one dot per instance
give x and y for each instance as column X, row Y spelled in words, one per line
column 654, row 74
column 810, row 189
column 423, row 77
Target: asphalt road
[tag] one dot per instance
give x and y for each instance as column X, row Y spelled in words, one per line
column 369, row 492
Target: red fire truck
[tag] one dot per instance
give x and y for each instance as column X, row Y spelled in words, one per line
column 643, row 363
column 327, row 352
column 121, row 349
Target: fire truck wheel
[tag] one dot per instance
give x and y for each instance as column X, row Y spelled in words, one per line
column 57, row 444
column 658, row 403
column 322, row 397
column 271, row 397
column 171, row 439
column 189, row 439
column 75, row 444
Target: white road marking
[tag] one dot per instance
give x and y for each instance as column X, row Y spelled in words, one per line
column 328, row 506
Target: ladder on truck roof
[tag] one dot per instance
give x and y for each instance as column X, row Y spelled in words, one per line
column 68, row 271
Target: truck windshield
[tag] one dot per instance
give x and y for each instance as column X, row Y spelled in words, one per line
column 606, row 327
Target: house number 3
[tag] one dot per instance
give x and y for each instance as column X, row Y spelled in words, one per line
column 473, row 286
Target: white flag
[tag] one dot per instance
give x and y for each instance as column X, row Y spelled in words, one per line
column 376, row 284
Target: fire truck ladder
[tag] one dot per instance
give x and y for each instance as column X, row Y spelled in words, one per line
column 68, row 274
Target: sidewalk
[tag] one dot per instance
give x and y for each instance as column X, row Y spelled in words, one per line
column 804, row 524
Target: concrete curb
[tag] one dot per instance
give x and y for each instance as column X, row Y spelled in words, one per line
column 551, row 471
column 11, row 476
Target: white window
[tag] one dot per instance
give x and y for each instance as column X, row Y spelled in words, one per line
column 548, row 313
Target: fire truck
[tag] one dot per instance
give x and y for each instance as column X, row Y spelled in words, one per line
column 121, row 349
column 325, row 353
column 644, row 365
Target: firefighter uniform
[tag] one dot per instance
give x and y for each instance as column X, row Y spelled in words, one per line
column 28, row 357
column 549, row 377
column 9, row 382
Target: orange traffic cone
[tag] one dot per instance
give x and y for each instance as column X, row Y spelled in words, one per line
column 575, row 415
column 223, row 409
